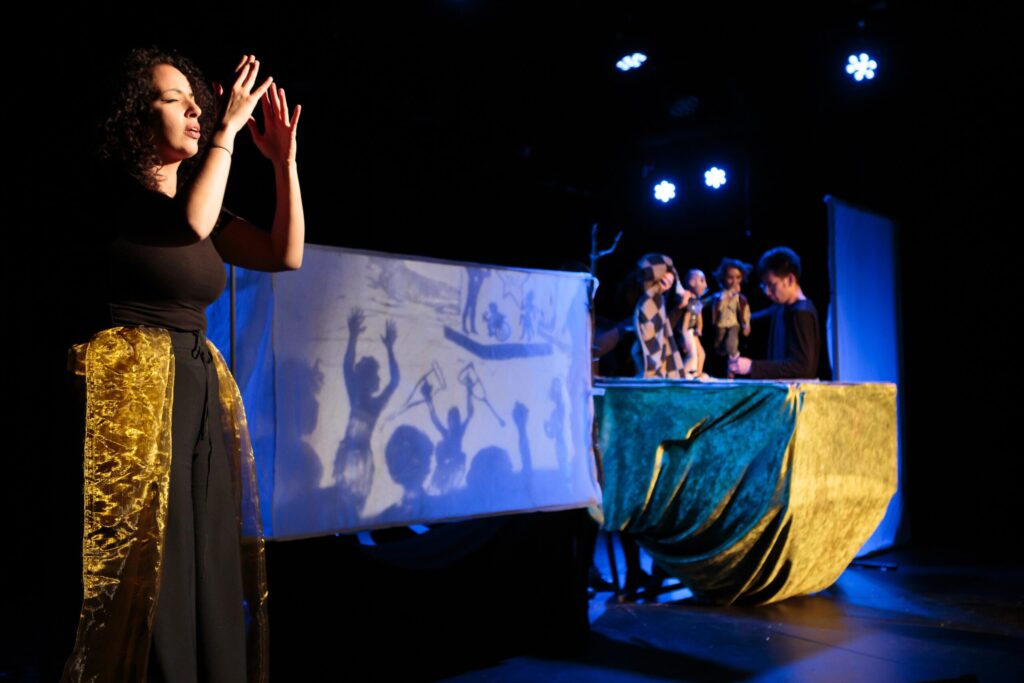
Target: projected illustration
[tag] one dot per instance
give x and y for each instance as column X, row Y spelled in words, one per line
column 417, row 381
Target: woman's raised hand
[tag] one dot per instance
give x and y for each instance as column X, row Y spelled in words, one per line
column 240, row 102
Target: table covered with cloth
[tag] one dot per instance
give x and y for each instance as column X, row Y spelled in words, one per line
column 748, row 492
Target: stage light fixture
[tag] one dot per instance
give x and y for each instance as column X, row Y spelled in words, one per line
column 664, row 192
column 714, row 177
column 861, row 67
column 633, row 61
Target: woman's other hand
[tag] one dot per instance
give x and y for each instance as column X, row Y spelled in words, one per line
column 277, row 141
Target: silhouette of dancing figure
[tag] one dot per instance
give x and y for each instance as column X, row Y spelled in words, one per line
column 353, row 462
column 450, row 458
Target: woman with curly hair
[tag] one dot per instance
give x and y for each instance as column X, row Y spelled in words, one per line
column 172, row 553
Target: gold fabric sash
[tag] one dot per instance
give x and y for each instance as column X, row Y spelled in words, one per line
column 129, row 388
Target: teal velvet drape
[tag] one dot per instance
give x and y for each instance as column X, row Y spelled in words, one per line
column 748, row 492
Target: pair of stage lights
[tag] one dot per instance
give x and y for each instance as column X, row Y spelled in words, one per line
column 861, row 67
column 665, row 191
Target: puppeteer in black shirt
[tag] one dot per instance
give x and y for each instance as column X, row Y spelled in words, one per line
column 150, row 270
column 793, row 343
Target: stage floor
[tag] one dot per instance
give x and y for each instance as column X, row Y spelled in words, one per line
column 911, row 615
column 902, row 616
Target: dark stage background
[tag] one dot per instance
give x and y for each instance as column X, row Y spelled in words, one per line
column 501, row 133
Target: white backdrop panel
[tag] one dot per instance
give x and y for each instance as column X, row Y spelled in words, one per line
column 412, row 391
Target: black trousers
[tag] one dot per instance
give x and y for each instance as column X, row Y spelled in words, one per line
column 199, row 626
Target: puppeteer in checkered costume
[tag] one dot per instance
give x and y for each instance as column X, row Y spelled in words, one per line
column 657, row 344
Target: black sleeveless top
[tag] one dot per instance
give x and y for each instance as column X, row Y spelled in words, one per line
column 152, row 271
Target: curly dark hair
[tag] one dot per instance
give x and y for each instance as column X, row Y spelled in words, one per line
column 728, row 263
column 126, row 134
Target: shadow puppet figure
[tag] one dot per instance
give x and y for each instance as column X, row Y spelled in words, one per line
column 299, row 501
column 451, row 460
column 353, row 462
column 476, row 280
column 408, row 457
column 527, row 313
column 554, row 426
column 491, row 483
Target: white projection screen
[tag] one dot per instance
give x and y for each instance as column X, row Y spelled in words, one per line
column 410, row 390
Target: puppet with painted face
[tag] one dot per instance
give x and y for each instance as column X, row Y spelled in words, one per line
column 692, row 325
column 730, row 309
